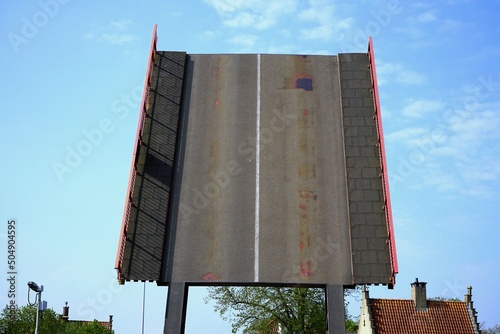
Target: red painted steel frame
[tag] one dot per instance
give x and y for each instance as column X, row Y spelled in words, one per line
column 138, row 139
column 383, row 170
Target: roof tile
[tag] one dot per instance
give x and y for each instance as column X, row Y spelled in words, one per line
column 394, row 316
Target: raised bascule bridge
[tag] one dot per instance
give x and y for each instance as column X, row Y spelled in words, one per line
column 258, row 169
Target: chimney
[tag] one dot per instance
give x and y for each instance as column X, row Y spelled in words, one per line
column 65, row 314
column 419, row 294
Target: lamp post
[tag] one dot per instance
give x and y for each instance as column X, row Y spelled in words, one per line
column 41, row 304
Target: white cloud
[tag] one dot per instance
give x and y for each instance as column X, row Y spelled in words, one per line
column 208, row 34
column 488, row 52
column 412, row 31
column 422, row 107
column 417, row 29
column 391, row 72
column 118, row 38
column 413, row 249
column 426, row 17
column 450, row 26
column 115, row 32
column 258, row 14
column 324, row 32
column 326, row 25
column 175, row 14
column 477, row 120
column 410, row 77
column 281, row 49
column 443, row 180
column 458, row 156
column 405, row 135
column 242, row 20
column 318, row 11
column 120, row 25
column 417, row 37
column 420, row 4
column 245, row 42
column 263, row 14
column 465, row 159
column 227, row 6
column 457, row 2
column 483, row 170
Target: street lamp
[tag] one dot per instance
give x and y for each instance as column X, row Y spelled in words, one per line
column 41, row 304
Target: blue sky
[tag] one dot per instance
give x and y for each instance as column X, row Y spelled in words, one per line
column 73, row 70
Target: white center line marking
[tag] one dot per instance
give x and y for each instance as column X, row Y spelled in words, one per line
column 257, row 177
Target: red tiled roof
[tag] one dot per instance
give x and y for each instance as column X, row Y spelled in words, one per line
column 394, row 316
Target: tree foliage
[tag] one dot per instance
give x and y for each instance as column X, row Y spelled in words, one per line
column 351, row 325
column 86, row 328
column 492, row 330
column 260, row 309
column 444, row 299
column 22, row 321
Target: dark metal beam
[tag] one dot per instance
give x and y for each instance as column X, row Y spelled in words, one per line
column 175, row 314
column 335, row 309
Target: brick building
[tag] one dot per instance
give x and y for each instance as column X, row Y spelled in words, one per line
column 418, row 314
column 106, row 324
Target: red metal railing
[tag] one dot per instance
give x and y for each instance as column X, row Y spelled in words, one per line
column 383, row 163
column 138, row 140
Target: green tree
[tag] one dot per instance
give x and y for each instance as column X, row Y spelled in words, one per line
column 259, row 309
column 444, row 299
column 17, row 320
column 492, row 330
column 351, row 325
column 22, row 321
